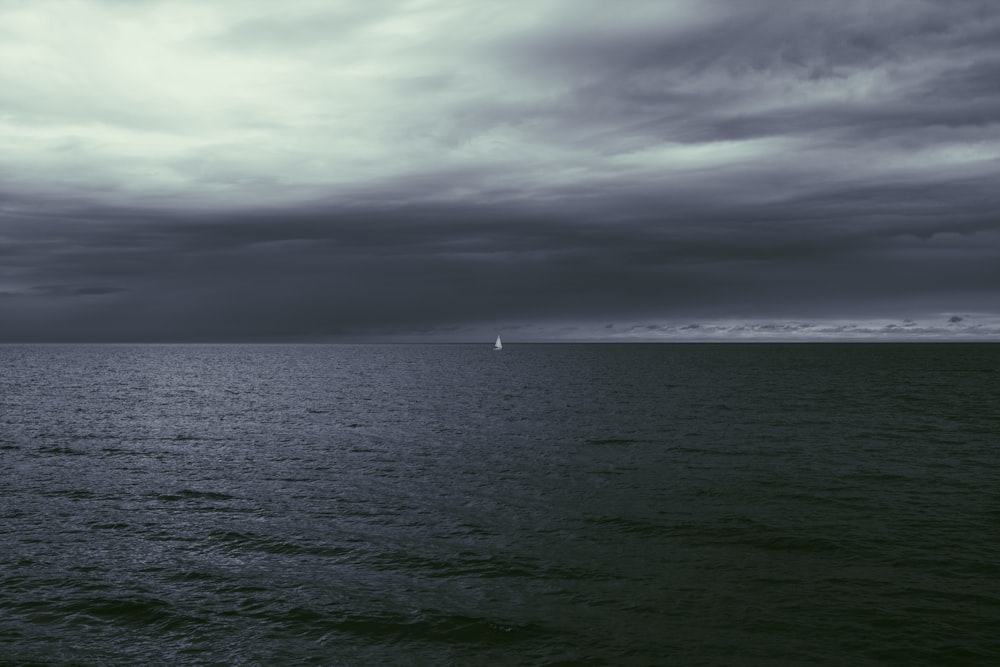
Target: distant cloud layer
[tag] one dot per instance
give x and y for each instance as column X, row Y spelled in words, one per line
column 241, row 169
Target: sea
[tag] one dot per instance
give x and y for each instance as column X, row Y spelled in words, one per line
column 547, row 504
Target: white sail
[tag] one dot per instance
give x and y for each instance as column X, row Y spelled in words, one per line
column 498, row 345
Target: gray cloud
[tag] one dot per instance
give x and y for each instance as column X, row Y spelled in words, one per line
column 227, row 171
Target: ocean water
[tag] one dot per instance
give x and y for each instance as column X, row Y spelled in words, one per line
column 673, row 504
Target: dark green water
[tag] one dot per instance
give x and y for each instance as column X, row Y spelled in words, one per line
column 547, row 504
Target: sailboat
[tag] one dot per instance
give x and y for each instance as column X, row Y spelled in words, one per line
column 498, row 345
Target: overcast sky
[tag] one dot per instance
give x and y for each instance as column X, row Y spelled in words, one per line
column 545, row 169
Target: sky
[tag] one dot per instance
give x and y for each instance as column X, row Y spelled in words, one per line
column 444, row 170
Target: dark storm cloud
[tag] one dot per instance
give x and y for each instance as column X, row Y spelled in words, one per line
column 71, row 290
column 351, row 171
column 767, row 69
column 333, row 271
